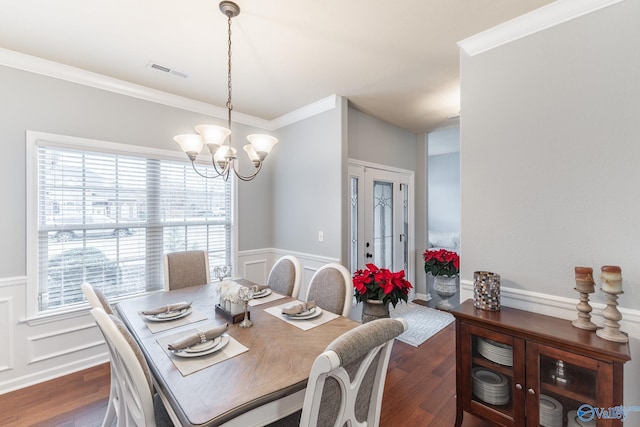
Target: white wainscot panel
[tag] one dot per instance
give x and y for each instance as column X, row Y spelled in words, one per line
column 63, row 342
column 6, row 333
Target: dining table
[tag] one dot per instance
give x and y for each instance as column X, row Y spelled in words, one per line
column 262, row 377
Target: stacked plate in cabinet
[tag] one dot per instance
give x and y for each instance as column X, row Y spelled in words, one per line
column 489, row 386
column 550, row 412
column 496, row 351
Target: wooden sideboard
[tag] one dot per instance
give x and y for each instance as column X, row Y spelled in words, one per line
column 518, row 368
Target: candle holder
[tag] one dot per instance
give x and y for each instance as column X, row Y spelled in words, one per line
column 584, row 312
column 245, row 294
column 585, row 286
column 612, row 316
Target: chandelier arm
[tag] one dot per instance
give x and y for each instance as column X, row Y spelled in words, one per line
column 204, row 175
column 248, row 177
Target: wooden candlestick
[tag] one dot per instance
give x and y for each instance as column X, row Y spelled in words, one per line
column 585, row 286
column 611, row 330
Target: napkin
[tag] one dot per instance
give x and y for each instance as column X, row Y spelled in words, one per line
column 298, row 307
column 197, row 337
column 168, row 308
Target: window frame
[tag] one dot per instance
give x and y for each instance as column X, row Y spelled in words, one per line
column 33, row 140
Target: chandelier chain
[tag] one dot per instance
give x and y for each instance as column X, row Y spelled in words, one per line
column 229, row 87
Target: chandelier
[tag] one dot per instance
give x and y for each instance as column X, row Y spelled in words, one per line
column 223, row 156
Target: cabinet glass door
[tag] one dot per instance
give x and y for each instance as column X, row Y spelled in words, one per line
column 566, row 386
column 494, row 376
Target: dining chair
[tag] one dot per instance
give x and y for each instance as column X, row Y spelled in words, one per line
column 346, row 382
column 134, row 401
column 96, row 298
column 285, row 276
column 185, row 268
column 331, row 288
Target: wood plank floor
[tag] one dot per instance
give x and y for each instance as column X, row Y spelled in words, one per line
column 419, row 391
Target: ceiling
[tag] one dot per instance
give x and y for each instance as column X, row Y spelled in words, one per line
column 398, row 62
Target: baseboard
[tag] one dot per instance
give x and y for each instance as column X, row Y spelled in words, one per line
column 41, row 376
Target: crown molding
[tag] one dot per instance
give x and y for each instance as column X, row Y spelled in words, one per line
column 540, row 19
column 56, row 70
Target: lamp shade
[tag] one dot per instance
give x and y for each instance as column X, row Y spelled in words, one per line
column 253, row 156
column 189, row 143
column 213, row 134
column 223, row 154
column 262, row 143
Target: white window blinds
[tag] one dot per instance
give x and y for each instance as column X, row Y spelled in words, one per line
column 108, row 217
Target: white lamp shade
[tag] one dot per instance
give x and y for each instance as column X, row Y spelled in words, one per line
column 221, row 154
column 213, row 134
column 253, row 156
column 189, row 143
column 262, row 143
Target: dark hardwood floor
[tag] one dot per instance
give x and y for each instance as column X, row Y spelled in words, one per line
column 419, row 391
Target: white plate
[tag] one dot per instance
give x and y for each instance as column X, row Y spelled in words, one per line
column 549, row 405
column 224, row 340
column 488, row 377
column 317, row 311
column 202, row 346
column 263, row 293
column 172, row 315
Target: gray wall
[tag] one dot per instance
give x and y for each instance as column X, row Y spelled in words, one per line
column 307, row 186
column 550, row 154
column 34, row 102
column 444, row 192
column 376, row 141
column 549, row 160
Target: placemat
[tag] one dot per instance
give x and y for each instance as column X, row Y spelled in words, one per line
column 273, row 297
column 155, row 327
column 305, row 325
column 190, row 365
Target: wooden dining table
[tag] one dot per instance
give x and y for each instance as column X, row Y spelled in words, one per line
column 252, row 388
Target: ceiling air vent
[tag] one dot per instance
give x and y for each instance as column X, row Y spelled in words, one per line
column 167, row 70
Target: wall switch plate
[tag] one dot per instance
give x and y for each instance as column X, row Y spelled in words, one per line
column 320, row 236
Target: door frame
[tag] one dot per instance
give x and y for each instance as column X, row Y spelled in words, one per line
column 357, row 168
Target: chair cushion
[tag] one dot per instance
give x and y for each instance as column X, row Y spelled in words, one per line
column 328, row 290
column 186, row 269
column 103, row 300
column 282, row 277
column 136, row 349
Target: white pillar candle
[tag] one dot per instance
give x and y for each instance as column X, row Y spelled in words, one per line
column 611, row 276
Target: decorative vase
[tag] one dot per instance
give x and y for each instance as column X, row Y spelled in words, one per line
column 373, row 310
column 445, row 287
column 486, row 290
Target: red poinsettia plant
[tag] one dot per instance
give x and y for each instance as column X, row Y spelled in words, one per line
column 375, row 283
column 441, row 262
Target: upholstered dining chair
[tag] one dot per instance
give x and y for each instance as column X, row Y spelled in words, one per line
column 331, row 288
column 285, row 276
column 96, row 298
column 346, row 383
column 185, row 269
column 134, row 401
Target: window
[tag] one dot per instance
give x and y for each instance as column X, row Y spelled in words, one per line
column 106, row 213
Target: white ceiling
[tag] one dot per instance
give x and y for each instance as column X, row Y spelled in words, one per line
column 398, row 62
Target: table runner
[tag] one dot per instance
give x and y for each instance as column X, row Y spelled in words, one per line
column 155, row 327
column 305, row 325
column 190, row 365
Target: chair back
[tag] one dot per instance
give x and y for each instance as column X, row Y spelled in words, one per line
column 185, row 269
column 346, row 383
column 331, row 288
column 96, row 298
column 134, row 389
column 285, row 276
